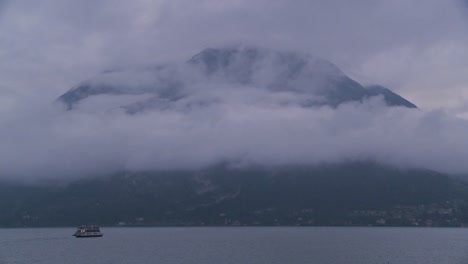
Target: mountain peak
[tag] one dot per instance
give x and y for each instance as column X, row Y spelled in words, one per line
column 252, row 60
column 317, row 81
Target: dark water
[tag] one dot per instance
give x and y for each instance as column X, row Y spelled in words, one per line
column 236, row 245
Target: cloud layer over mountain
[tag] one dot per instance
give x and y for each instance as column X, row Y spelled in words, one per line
column 215, row 120
column 245, row 127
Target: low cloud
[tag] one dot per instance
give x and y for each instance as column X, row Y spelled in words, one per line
column 218, row 123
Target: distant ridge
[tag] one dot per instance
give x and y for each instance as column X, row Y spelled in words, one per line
column 347, row 194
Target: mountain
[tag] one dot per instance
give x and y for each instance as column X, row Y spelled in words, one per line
column 358, row 193
column 353, row 194
column 317, row 81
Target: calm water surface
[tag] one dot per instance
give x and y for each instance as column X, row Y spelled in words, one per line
column 254, row 245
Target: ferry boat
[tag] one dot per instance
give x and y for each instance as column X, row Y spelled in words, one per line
column 88, row 231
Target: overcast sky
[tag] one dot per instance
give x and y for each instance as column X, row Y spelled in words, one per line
column 418, row 48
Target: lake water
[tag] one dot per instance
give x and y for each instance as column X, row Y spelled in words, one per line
column 266, row 245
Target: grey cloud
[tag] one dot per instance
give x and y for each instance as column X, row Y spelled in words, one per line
column 244, row 126
column 48, row 46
